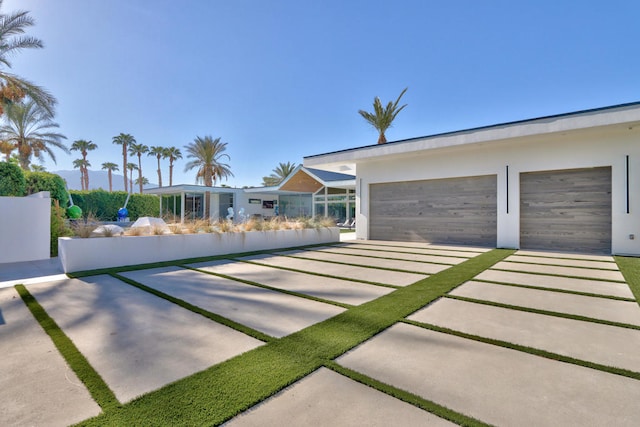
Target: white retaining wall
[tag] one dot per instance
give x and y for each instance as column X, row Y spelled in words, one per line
column 25, row 228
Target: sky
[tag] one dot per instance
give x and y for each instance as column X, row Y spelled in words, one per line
column 282, row 79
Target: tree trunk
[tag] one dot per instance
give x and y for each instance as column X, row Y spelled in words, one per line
column 110, row 186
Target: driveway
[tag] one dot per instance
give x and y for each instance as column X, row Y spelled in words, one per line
column 536, row 339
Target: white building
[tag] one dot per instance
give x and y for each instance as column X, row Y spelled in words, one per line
column 565, row 182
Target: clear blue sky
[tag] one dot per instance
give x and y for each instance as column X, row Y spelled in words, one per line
column 282, row 79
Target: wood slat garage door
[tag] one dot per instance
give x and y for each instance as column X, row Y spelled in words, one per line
column 566, row 210
column 453, row 210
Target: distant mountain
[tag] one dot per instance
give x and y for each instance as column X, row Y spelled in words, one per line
column 97, row 179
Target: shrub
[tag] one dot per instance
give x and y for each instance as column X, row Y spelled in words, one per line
column 12, row 181
column 104, row 205
column 45, row 181
column 59, row 227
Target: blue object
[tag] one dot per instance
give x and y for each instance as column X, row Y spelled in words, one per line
column 123, row 214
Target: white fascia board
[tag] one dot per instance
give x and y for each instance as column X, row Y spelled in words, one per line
column 543, row 126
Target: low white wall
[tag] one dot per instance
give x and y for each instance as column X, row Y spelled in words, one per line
column 78, row 254
column 25, row 228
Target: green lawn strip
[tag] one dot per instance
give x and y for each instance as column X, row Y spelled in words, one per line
column 271, row 288
column 630, row 268
column 177, row 262
column 217, row 394
column 529, row 350
column 350, row 264
column 544, row 312
column 560, row 275
column 346, row 230
column 471, row 252
column 330, row 276
column 571, row 259
column 405, row 396
column 97, row 387
column 209, row 315
column 558, row 290
column 329, row 251
column 557, row 265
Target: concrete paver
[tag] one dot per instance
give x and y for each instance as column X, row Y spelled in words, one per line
column 425, row 250
column 37, row 387
column 555, row 282
column 136, row 341
column 325, row 398
column 574, row 338
column 411, row 266
column 395, row 278
column 494, row 384
column 272, row 312
column 354, row 293
column 563, row 255
column 347, row 250
column 564, row 271
column 425, row 245
column 606, row 265
column 597, row 308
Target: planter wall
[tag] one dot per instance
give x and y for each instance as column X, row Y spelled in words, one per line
column 77, row 254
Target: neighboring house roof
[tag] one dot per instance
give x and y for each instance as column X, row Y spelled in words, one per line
column 306, row 180
column 622, row 114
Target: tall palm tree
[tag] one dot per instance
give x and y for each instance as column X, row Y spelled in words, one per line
column 14, row 88
column 142, row 181
column 131, row 167
column 159, row 152
column 110, row 167
column 29, row 128
column 83, row 147
column 279, row 174
column 6, row 148
column 173, row 154
column 381, row 118
column 82, row 164
column 124, row 139
column 207, row 154
column 138, row 150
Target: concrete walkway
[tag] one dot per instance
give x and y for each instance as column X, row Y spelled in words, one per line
column 139, row 342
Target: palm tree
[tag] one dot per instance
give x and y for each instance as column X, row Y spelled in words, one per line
column 381, row 118
column 110, row 167
column 142, row 181
column 279, row 174
column 173, row 154
column 131, row 167
column 138, row 150
column 206, row 154
column 14, row 88
column 159, row 152
column 38, row 168
column 83, row 147
column 82, row 164
column 29, row 128
column 6, row 148
column 124, row 139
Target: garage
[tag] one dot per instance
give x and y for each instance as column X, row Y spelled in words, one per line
column 448, row 211
column 566, row 210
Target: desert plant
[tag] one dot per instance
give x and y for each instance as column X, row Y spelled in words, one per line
column 134, row 231
column 84, row 226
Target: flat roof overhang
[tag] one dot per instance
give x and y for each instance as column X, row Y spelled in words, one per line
column 625, row 115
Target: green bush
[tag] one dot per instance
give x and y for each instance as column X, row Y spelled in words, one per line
column 12, row 181
column 59, row 227
column 45, row 181
column 104, row 205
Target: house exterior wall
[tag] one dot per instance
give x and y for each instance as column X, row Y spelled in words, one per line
column 604, row 146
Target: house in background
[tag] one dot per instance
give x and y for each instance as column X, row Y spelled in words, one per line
column 305, row 192
column 567, row 182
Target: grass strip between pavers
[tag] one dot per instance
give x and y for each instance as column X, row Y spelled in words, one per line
column 630, row 269
column 96, row 386
column 405, row 396
column 558, row 265
column 215, row 395
column 378, row 256
column 350, row 264
column 536, row 273
column 544, row 312
column 379, row 249
column 529, row 350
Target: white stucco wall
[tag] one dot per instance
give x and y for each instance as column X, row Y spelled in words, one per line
column 25, row 229
column 605, row 146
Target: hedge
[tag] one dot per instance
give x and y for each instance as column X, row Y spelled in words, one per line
column 12, row 181
column 104, row 205
column 45, row 181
